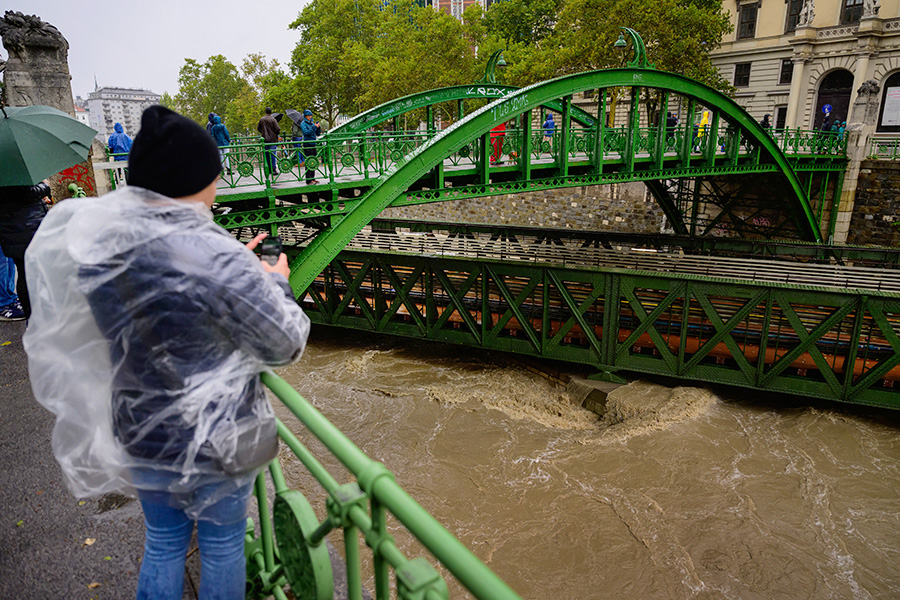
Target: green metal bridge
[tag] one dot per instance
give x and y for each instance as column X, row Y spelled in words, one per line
column 743, row 292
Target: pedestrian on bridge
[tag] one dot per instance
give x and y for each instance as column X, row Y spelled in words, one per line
column 223, row 140
column 152, row 327
column 119, row 144
column 497, row 135
column 270, row 130
column 549, row 127
column 310, row 132
column 671, row 124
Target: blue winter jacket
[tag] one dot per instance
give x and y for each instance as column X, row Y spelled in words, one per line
column 549, row 126
column 119, row 142
column 310, row 130
column 220, row 132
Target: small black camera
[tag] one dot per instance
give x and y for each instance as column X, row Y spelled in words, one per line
column 270, row 249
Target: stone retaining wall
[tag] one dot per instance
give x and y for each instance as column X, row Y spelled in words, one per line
column 876, row 204
column 618, row 207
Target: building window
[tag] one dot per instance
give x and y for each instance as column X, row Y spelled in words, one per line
column 787, row 72
column 793, row 15
column 742, row 75
column 780, row 117
column 851, row 11
column 747, row 20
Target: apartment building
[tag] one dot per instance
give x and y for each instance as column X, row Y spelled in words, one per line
column 108, row 106
column 802, row 61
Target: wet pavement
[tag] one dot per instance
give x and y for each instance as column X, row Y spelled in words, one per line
column 53, row 545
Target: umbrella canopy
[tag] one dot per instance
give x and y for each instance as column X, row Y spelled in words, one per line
column 39, row 141
column 295, row 116
column 277, row 116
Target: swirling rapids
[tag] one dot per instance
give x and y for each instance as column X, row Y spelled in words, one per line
column 675, row 493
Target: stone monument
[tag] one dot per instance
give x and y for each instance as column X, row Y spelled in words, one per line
column 37, row 72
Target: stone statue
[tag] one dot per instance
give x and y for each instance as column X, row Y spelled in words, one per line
column 37, row 72
column 870, row 8
column 19, row 31
column 868, row 88
column 37, row 68
column 807, row 13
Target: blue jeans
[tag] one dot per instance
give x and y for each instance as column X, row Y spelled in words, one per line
column 297, row 146
column 168, row 535
column 273, row 162
column 7, row 281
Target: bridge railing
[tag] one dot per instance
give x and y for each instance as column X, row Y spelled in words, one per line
column 291, row 549
column 367, row 155
column 884, row 147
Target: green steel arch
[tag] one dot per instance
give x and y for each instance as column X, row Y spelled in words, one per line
column 476, row 91
column 317, row 255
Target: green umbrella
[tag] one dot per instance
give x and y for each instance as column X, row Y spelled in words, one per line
column 39, row 141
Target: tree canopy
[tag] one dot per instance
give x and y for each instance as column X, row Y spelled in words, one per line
column 355, row 54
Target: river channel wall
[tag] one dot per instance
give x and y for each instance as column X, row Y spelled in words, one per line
column 875, row 206
column 618, row 207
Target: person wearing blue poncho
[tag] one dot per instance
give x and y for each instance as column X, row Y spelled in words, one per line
column 119, row 143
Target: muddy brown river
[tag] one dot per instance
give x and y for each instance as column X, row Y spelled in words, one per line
column 677, row 493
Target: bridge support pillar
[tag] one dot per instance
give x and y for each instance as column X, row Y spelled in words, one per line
column 860, row 126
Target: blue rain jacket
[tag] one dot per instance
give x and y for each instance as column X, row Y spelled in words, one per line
column 119, row 142
column 220, row 132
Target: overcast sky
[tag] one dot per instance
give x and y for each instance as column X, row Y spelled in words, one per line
column 143, row 43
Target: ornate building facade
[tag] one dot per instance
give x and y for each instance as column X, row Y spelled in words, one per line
column 804, row 61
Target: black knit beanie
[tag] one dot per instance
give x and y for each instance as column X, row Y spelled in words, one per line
column 172, row 155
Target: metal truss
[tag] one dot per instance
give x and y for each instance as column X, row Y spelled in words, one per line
column 821, row 343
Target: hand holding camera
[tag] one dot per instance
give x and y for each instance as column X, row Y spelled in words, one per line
column 272, row 258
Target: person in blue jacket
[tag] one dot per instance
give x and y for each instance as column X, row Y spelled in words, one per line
column 310, row 132
column 223, row 139
column 549, row 127
column 119, row 143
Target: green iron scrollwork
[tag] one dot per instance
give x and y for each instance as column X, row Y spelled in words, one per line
column 496, row 60
column 640, row 49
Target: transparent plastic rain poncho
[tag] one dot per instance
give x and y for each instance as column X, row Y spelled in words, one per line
column 149, row 329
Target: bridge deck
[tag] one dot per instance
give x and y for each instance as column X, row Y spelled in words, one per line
column 531, row 249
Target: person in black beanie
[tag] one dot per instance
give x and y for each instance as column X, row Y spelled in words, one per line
column 172, row 155
column 140, row 293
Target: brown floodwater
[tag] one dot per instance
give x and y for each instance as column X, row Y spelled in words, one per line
column 678, row 492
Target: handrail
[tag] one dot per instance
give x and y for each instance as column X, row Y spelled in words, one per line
column 884, row 147
column 369, row 155
column 346, row 508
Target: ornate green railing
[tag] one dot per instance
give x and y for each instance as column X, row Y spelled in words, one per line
column 369, row 155
column 290, row 549
column 884, row 148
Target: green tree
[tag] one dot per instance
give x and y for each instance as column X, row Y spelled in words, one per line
column 208, row 87
column 524, row 22
column 437, row 52
column 679, row 35
column 325, row 63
